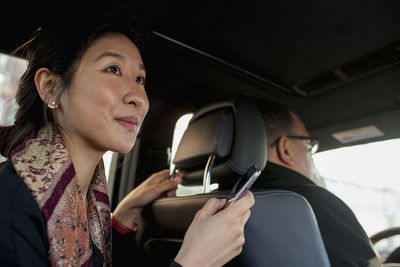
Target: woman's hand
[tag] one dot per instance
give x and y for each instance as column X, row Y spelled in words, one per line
column 152, row 188
column 214, row 238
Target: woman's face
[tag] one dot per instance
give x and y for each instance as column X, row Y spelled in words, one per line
column 106, row 102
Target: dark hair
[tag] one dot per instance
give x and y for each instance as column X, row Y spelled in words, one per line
column 59, row 47
column 277, row 120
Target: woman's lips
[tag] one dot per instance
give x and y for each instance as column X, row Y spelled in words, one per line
column 130, row 123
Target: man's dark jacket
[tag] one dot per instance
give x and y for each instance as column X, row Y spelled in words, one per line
column 345, row 240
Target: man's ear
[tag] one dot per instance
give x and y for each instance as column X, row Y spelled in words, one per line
column 284, row 151
column 45, row 82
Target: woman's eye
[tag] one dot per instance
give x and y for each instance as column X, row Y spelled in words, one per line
column 113, row 69
column 141, row 80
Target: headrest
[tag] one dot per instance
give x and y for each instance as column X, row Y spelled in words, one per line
column 233, row 132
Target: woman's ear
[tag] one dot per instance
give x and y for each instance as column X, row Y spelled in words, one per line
column 284, row 150
column 45, row 82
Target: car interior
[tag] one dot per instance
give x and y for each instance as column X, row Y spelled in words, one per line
column 216, row 148
column 335, row 63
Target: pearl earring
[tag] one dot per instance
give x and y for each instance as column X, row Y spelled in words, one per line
column 53, row 105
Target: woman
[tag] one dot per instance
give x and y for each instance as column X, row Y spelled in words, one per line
column 83, row 94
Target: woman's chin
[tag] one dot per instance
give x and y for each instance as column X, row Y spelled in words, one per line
column 125, row 148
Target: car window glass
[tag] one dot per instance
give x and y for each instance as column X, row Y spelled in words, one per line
column 367, row 178
column 11, row 69
column 386, row 246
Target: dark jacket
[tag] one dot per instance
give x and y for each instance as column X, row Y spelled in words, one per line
column 23, row 236
column 345, row 240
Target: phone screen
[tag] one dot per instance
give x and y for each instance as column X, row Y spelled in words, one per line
column 243, row 185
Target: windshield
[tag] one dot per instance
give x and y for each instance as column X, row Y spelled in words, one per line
column 367, row 178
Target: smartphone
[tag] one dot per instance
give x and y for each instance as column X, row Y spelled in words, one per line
column 243, row 185
column 172, row 175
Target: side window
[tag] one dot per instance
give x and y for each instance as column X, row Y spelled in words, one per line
column 108, row 159
column 11, row 70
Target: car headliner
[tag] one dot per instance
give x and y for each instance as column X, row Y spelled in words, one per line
column 333, row 62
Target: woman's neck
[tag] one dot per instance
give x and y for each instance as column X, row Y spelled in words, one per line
column 85, row 160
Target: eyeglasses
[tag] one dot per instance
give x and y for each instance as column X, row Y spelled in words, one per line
column 312, row 144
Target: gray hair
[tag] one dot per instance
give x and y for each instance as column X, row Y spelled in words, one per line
column 277, row 119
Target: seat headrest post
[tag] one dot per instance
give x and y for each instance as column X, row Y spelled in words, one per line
column 207, row 174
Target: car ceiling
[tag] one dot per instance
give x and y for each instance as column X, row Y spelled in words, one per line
column 334, row 62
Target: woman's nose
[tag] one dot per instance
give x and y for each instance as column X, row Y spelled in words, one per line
column 136, row 97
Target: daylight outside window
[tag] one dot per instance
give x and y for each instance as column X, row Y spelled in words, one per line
column 367, row 178
column 11, row 69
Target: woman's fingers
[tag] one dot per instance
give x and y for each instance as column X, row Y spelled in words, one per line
column 212, row 206
column 247, row 200
column 160, row 184
column 217, row 233
column 242, row 205
column 245, row 217
column 165, row 186
column 162, row 178
column 159, row 177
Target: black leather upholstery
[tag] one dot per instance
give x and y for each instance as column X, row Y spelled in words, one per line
column 282, row 230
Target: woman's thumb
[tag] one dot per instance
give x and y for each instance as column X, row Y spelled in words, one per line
column 212, row 206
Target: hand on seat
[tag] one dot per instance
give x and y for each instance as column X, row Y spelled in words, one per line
column 214, row 238
column 156, row 185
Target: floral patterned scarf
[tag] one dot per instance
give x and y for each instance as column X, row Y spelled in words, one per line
column 43, row 163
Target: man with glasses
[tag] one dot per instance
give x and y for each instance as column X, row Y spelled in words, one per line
column 290, row 167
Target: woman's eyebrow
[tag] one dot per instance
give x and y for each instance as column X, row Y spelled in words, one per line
column 118, row 56
column 142, row 67
column 110, row 54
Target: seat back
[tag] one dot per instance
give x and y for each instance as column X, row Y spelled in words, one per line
column 221, row 142
column 282, row 230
